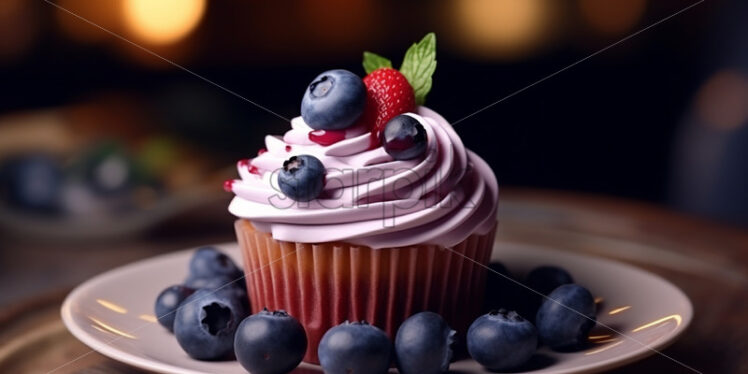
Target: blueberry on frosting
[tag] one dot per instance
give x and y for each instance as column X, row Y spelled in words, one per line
column 334, row 100
column 404, row 138
column 302, row 177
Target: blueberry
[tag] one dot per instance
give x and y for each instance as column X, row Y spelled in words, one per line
column 217, row 281
column 404, row 138
column 498, row 267
column 108, row 169
column 239, row 293
column 566, row 317
column 503, row 291
column 167, row 303
column 302, row 178
column 334, row 100
column 355, row 348
column 213, row 282
column 501, row 340
column 209, row 262
column 33, row 182
column 235, row 288
column 423, row 344
column 212, row 269
column 239, row 286
column 270, row 343
column 545, row 279
column 206, row 322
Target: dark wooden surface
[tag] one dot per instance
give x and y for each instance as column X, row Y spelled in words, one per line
column 708, row 261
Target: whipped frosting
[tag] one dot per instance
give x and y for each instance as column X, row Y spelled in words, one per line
column 369, row 198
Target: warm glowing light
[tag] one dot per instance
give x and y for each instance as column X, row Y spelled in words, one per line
column 612, row 17
column 603, row 349
column 499, row 28
column 598, row 300
column 722, row 102
column 111, row 306
column 596, row 337
column 111, row 329
column 676, row 317
column 606, row 341
column 98, row 12
column 148, row 318
column 163, row 21
column 619, row 310
column 99, row 329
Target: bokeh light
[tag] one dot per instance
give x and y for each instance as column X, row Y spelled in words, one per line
column 162, row 21
column 612, row 17
column 106, row 14
column 498, row 28
column 722, row 102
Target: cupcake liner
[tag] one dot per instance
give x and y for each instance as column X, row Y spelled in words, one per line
column 323, row 285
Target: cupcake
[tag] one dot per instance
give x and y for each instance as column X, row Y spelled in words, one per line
column 369, row 208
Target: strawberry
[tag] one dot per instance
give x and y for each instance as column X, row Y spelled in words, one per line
column 391, row 92
column 388, row 94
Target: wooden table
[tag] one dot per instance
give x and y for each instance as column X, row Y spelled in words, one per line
column 708, row 261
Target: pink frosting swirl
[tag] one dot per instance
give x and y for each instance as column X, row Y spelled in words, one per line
column 369, row 198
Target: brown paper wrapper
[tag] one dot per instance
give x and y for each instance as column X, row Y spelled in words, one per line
column 323, row 285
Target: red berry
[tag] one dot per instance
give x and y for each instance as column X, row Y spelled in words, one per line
column 228, row 185
column 388, row 94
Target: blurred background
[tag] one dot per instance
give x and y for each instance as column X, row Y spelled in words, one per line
column 101, row 139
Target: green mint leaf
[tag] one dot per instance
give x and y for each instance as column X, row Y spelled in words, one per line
column 373, row 61
column 419, row 65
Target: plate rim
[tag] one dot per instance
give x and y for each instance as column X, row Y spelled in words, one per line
column 644, row 350
column 96, row 345
column 104, row 347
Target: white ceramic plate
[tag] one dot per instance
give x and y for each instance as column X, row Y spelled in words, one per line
column 113, row 313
